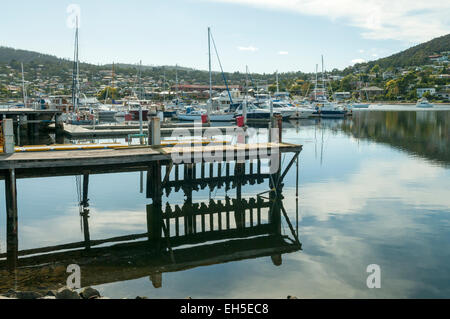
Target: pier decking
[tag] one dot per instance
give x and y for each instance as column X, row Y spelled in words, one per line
column 75, row 131
column 132, row 155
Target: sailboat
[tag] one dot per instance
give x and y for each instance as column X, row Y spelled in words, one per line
column 213, row 116
column 323, row 107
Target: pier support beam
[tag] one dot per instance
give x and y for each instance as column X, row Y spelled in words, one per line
column 12, row 242
column 85, row 213
column 154, row 211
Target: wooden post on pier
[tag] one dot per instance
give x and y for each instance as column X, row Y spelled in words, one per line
column 8, row 136
column 189, row 213
column 154, row 211
column 12, row 242
column 59, row 129
column 154, row 131
column 276, row 122
column 239, row 213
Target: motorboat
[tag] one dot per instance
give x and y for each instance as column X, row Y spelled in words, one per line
column 254, row 112
column 423, row 102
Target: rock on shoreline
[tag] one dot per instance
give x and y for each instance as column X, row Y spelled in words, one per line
column 63, row 293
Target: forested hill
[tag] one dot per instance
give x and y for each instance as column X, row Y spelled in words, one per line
column 7, row 55
column 417, row 55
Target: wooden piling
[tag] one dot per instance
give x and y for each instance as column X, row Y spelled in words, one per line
column 85, row 213
column 12, row 242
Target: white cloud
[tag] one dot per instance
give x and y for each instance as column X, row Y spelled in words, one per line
column 369, row 183
column 374, row 55
column 249, row 48
column 412, row 21
column 354, row 61
column 283, row 53
column 361, row 51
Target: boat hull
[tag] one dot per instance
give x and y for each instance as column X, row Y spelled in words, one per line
column 213, row 117
column 330, row 114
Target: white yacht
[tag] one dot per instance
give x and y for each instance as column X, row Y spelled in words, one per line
column 302, row 113
column 281, row 108
column 423, row 102
column 195, row 115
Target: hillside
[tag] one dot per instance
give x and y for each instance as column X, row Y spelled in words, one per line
column 7, row 55
column 417, row 55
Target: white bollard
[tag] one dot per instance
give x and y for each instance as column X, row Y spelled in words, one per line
column 8, row 135
column 161, row 116
column 155, row 131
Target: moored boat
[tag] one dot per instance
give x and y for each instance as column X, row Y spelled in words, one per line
column 423, row 102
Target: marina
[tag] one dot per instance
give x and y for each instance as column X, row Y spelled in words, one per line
column 213, row 212
column 155, row 151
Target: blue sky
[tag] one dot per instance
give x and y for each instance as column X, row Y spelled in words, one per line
column 266, row 35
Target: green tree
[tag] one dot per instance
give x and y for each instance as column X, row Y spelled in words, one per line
column 348, row 83
column 392, row 89
column 109, row 93
column 375, row 70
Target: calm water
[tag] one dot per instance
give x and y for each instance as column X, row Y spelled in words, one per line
column 372, row 190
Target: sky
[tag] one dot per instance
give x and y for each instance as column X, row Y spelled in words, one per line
column 266, row 35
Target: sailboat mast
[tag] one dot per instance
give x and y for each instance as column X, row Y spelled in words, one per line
column 323, row 81
column 141, row 127
column 76, row 73
column 208, row 105
column 113, row 75
column 176, row 81
column 23, row 89
column 317, row 80
column 278, row 83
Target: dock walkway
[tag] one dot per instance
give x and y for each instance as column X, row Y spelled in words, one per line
column 75, row 131
column 132, row 155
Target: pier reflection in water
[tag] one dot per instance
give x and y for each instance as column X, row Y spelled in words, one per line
column 179, row 237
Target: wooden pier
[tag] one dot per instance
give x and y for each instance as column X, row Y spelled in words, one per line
column 76, row 131
column 178, row 237
column 184, row 168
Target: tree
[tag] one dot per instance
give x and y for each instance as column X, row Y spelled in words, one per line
column 392, row 89
column 375, row 70
column 109, row 93
column 272, row 88
column 347, row 83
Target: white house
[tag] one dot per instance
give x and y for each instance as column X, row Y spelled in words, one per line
column 421, row 91
column 342, row 95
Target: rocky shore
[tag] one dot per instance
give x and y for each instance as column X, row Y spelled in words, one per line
column 63, row 293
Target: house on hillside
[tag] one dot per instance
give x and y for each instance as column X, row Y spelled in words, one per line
column 421, row 91
column 388, row 75
column 338, row 96
column 372, row 91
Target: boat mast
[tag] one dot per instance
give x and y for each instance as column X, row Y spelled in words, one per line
column 76, row 73
column 141, row 127
column 244, row 106
column 113, row 75
column 208, row 105
column 317, row 80
column 176, row 80
column 164, row 84
column 323, row 82
column 278, row 84
column 23, row 89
